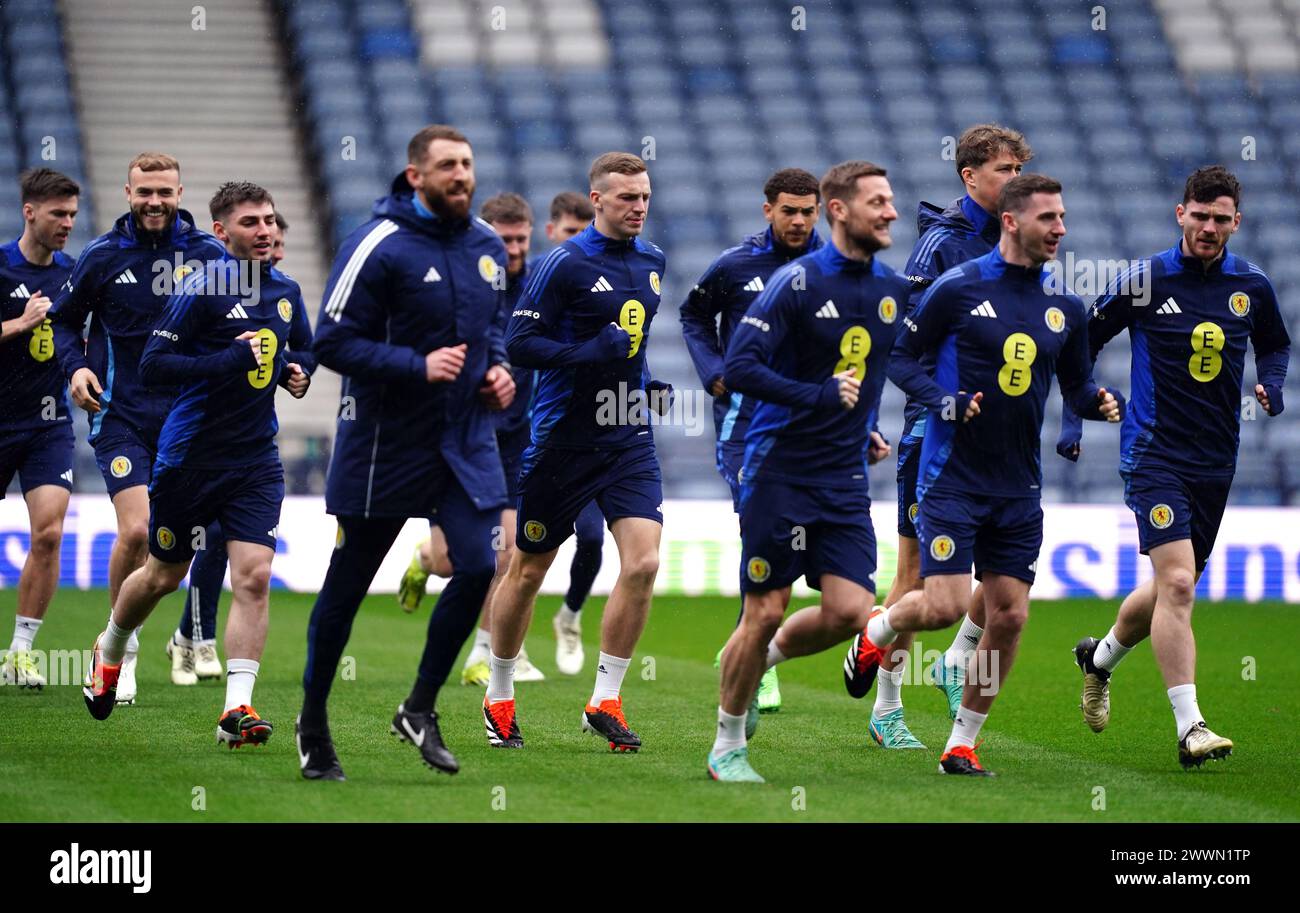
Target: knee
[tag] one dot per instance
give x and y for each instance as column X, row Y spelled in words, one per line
column 254, row 581
column 945, row 612
column 133, row 535
column 640, row 569
column 440, row 564
column 526, row 571
column 764, row 621
column 163, row 578
column 1178, row 588
column 1007, row 620
column 46, row 540
column 844, row 615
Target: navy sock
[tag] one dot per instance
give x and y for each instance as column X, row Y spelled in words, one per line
column 352, row 566
column 583, row 571
column 207, row 573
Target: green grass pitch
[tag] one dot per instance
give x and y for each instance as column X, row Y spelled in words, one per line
column 147, row 762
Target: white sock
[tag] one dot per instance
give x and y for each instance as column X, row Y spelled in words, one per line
column 1186, row 713
column 133, row 645
column 1109, row 652
column 609, row 678
column 24, row 633
column 181, row 640
column 731, row 732
column 774, row 655
column 113, row 643
column 241, row 675
column 964, row 644
column 965, row 729
column 878, row 630
column 568, row 616
column 501, row 678
column 889, row 687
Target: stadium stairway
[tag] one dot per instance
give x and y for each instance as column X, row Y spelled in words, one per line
column 215, row 92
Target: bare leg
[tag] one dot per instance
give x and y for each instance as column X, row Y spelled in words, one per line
column 844, row 611
column 132, row 545
column 628, row 606
column 46, row 506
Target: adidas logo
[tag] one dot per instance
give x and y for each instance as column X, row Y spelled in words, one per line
column 602, row 285
column 754, row 285
column 20, row 292
column 67, row 476
column 1169, row 307
column 828, row 309
column 274, row 532
column 127, row 278
column 432, row 275
column 237, row 313
column 984, row 310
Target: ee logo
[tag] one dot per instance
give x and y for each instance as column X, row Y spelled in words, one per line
column 1018, row 354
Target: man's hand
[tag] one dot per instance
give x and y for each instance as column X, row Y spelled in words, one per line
column 443, row 365
column 81, row 386
column 298, row 382
column 660, row 394
column 1270, row 398
column 719, row 388
column 615, row 341
column 849, row 386
column 972, row 407
column 31, row 317
column 878, row 449
column 34, row 313
column 498, row 390
column 253, row 343
column 1109, row 407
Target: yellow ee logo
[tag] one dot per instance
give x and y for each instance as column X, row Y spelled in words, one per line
column 267, row 344
column 888, row 309
column 1239, row 303
column 632, row 319
column 654, row 281
column 181, row 272
column 120, row 467
column 855, row 346
column 166, row 538
column 1055, row 318
column 338, row 538
column 487, row 268
column 285, row 307
column 1207, row 344
column 913, row 511
column 758, row 570
column 1018, row 354
column 942, row 548
column 1161, row 516
column 534, row 530
column 41, row 345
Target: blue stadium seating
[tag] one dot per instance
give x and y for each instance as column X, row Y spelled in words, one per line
column 728, row 91
column 38, row 121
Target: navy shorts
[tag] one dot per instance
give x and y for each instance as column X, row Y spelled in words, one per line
column 183, row 502
column 909, row 464
column 124, row 455
column 790, row 531
column 998, row 535
column 1170, row 505
column 590, row 525
column 40, row 456
column 512, row 445
column 731, row 456
column 555, row 485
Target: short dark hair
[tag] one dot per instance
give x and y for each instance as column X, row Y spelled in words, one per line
column 983, row 142
column 841, row 182
column 794, row 181
column 508, row 208
column 417, row 150
column 1017, row 191
column 572, row 203
column 1205, row 185
column 41, row 184
column 281, row 222
column 231, row 194
column 615, row 163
